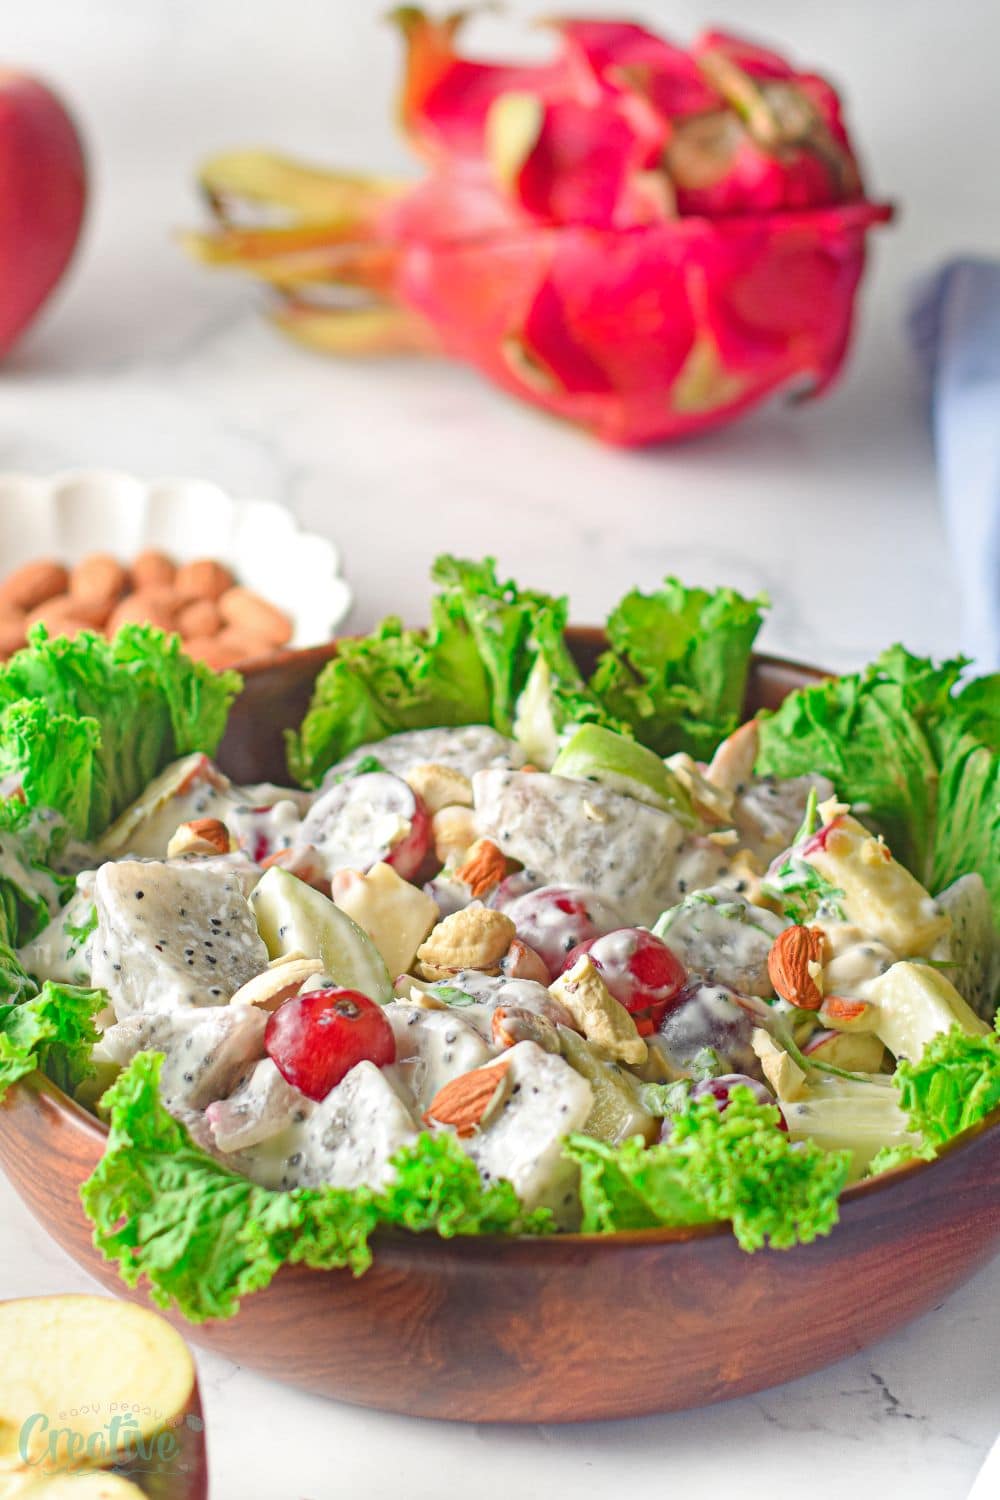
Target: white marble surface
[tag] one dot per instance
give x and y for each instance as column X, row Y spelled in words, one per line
column 150, row 364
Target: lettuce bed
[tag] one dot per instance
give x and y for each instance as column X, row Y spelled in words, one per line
column 84, row 726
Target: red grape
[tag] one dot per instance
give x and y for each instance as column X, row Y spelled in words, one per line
column 639, row 969
column 316, row 1039
column 555, row 919
column 721, row 1089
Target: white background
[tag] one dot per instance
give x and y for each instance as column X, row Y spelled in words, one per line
column 150, row 363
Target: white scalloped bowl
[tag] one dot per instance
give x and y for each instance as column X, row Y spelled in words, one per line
column 68, row 515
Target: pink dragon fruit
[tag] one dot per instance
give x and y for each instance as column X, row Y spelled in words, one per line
column 643, row 240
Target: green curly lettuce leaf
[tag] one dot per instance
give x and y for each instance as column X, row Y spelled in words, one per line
column 391, row 680
column 86, row 724
column 916, row 756
column 203, row 1236
column 677, row 669
column 469, row 667
column 733, row 1165
column 953, row 1085
column 53, row 1030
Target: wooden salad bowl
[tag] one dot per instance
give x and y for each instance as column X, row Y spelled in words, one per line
column 563, row 1329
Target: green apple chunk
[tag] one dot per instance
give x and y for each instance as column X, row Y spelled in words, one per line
column 624, row 766
column 293, row 917
column 88, row 1384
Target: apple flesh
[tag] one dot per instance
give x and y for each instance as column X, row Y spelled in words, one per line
column 622, row 765
column 87, row 1384
column 42, row 195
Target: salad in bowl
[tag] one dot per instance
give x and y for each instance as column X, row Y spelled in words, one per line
column 522, row 951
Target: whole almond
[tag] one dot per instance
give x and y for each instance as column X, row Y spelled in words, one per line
column 91, row 612
column 199, row 617
column 244, row 645
column 522, row 962
column 152, row 570
column 13, row 632
column 789, row 964
column 484, row 867
column 54, row 611
column 148, row 607
column 213, row 651
column 203, row 579
column 245, row 610
column 67, row 625
column 465, row 1102
column 99, row 576
column 33, row 583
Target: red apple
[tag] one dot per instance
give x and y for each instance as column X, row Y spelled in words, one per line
column 42, row 194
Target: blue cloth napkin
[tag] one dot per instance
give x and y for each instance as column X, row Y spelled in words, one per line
column 955, row 326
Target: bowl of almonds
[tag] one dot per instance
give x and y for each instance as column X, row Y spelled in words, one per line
column 238, row 580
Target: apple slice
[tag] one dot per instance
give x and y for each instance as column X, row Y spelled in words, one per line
column 915, row 1003
column 858, row 1051
column 294, row 916
column 88, row 1383
column 622, row 765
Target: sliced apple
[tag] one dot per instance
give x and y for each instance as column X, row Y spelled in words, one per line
column 87, row 1383
column 617, row 1112
column 293, row 916
column 915, row 1003
column 858, row 1052
column 622, row 765
column 877, row 893
column 396, row 915
column 842, row 1114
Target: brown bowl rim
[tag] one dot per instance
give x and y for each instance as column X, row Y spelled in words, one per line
column 857, row 1191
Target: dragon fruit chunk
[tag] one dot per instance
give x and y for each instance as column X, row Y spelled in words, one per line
column 643, row 240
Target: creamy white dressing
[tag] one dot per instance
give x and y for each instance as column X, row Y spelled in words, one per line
column 467, row 748
column 176, row 939
column 722, row 938
column 582, row 835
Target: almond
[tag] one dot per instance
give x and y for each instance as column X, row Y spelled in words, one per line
column 466, row 1102
column 249, row 613
column 152, row 570
column 152, row 607
column 203, row 579
column 13, row 632
column 790, row 965
column 99, row 576
column 522, row 962
column 843, row 1014
column 244, row 646
column 92, row 612
column 212, row 650
column 199, row 617
column 510, row 1025
column 200, row 836
column 484, row 867
column 33, row 583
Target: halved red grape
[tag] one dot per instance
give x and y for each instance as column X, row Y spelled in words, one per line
column 556, row 919
column 721, row 1090
column 639, row 969
column 316, row 1039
